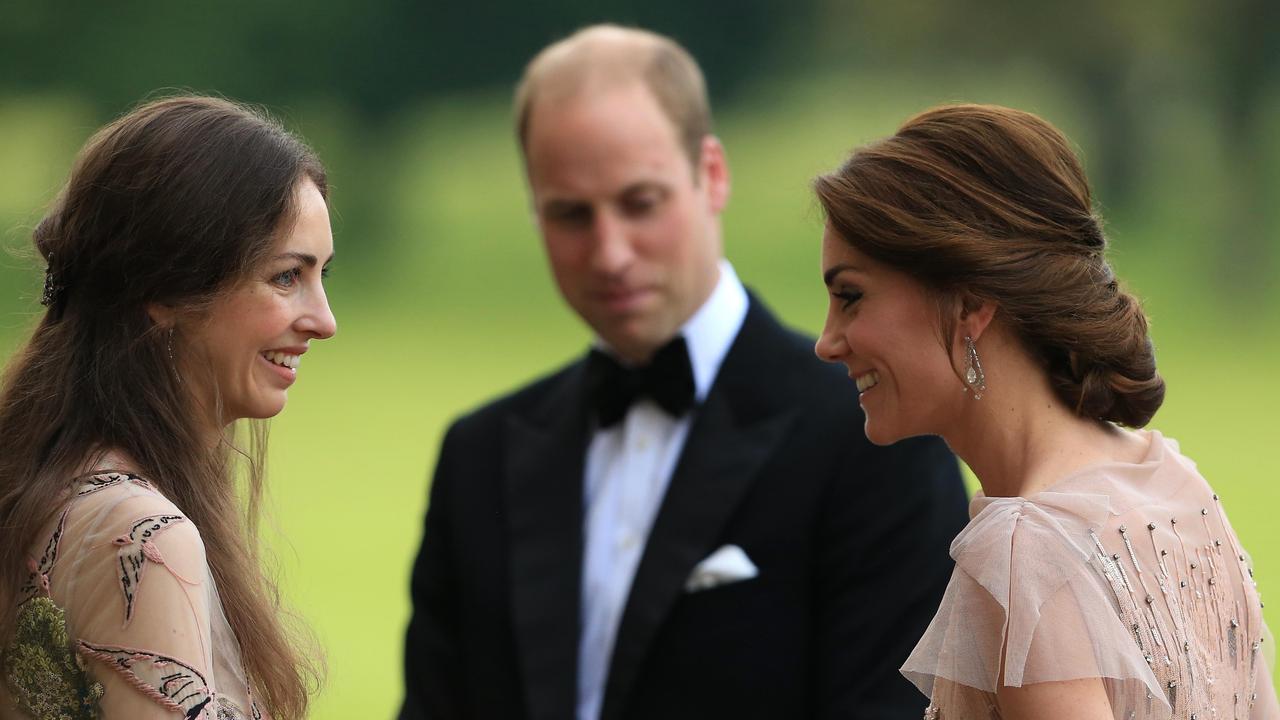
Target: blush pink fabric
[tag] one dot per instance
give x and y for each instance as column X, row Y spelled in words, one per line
column 142, row 610
column 1121, row 571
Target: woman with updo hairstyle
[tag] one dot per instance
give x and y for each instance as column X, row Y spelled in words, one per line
column 971, row 298
column 185, row 259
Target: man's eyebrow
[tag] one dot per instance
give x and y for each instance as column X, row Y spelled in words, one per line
column 305, row 258
column 644, row 185
column 558, row 202
column 835, row 270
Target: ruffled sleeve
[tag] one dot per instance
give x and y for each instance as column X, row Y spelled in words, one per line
column 137, row 593
column 1028, row 603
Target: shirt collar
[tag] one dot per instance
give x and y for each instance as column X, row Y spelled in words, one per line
column 710, row 332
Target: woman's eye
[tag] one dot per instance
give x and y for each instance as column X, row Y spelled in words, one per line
column 287, row 278
column 847, row 298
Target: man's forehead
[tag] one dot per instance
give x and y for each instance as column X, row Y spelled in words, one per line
column 595, row 95
column 606, row 142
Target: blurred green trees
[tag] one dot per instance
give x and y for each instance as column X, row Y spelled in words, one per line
column 1144, row 80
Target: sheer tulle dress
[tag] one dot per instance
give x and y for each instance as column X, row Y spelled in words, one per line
column 1125, row 572
column 120, row 618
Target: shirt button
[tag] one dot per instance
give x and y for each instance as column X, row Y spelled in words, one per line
column 642, row 443
column 628, row 541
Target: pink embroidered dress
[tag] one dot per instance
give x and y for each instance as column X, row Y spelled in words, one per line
column 126, row 571
column 1125, row 572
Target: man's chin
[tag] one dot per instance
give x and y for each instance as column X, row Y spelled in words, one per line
column 635, row 342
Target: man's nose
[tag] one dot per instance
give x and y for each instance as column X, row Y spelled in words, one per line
column 613, row 251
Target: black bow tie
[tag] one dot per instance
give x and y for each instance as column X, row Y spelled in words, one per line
column 667, row 380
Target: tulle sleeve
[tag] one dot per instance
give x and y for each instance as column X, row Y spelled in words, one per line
column 134, row 582
column 1027, row 603
column 1268, row 705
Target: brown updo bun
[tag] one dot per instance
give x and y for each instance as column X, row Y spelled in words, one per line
column 991, row 202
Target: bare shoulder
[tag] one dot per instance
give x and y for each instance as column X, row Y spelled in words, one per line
column 1083, row 699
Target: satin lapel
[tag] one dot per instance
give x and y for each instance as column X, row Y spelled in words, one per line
column 544, row 465
column 720, row 461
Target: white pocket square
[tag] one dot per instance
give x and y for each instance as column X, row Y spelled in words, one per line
column 726, row 565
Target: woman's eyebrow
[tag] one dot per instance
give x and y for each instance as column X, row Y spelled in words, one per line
column 832, row 272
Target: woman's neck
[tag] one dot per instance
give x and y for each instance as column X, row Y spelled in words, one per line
column 1021, row 438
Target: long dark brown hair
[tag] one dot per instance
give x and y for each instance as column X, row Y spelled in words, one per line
column 168, row 205
column 986, row 202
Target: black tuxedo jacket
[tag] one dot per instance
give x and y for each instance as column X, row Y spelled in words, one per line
column 850, row 540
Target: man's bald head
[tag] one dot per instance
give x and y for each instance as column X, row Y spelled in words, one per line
column 605, row 57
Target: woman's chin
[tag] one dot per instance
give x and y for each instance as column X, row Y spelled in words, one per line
column 878, row 434
column 263, row 409
column 270, row 411
column 881, row 433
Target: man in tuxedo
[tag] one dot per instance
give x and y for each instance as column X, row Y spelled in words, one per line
column 688, row 521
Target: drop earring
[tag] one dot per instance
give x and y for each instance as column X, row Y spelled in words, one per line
column 974, row 378
column 173, row 360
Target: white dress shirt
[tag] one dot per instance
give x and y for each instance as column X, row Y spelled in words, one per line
column 628, row 467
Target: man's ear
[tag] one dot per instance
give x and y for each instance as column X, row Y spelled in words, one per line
column 714, row 171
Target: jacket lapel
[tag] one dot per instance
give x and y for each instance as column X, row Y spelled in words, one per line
column 726, row 447
column 543, row 486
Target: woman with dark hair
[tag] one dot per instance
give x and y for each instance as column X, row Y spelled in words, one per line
column 1098, row 576
column 185, row 261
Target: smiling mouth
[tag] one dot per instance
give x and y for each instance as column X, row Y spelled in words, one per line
column 282, row 359
column 867, row 381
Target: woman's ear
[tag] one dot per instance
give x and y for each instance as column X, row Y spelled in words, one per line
column 976, row 315
column 162, row 315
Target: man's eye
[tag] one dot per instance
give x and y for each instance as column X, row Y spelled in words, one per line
column 576, row 215
column 639, row 205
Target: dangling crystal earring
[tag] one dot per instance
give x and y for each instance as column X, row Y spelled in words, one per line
column 974, row 378
column 173, row 361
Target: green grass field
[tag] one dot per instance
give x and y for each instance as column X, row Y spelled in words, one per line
column 452, row 304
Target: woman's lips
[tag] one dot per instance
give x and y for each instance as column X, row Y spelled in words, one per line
column 286, row 374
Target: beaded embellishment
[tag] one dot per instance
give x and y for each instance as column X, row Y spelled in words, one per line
column 1203, row 623
column 45, row 678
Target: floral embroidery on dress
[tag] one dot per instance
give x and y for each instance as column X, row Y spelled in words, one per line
column 101, row 481
column 38, row 580
column 228, row 710
column 47, row 669
column 172, row 683
column 45, row 678
column 136, row 549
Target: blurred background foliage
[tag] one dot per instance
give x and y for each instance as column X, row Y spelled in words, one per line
column 440, row 288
